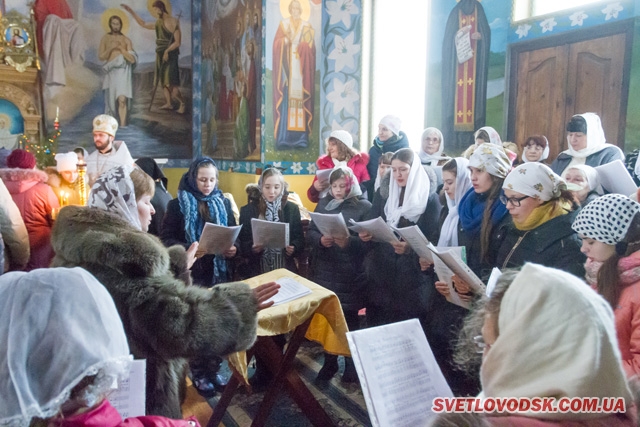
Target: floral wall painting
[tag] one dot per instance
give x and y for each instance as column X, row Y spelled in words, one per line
column 232, row 57
column 101, row 57
column 292, row 80
column 11, row 124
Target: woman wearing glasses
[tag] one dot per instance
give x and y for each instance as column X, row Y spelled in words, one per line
column 542, row 210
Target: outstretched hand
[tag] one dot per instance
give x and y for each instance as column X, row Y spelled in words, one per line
column 264, row 292
column 126, row 7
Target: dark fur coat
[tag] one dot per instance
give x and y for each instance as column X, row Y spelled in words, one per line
column 165, row 321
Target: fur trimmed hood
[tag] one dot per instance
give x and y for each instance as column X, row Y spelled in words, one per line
column 55, row 179
column 20, row 180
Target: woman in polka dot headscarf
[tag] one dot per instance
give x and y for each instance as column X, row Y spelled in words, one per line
column 610, row 231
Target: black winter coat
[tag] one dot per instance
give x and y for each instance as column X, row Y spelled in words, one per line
column 340, row 270
column 552, row 244
column 173, row 233
column 289, row 213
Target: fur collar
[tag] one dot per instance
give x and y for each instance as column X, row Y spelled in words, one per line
column 19, row 174
column 90, row 236
column 55, row 179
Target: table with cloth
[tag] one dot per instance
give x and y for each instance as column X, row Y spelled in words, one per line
column 318, row 317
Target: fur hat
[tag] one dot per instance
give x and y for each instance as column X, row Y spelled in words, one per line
column 343, row 136
column 393, row 123
column 105, row 123
column 66, row 161
column 22, row 159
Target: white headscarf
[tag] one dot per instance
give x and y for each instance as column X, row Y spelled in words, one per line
column 415, row 195
column 491, row 158
column 494, row 137
column 543, row 157
column 590, row 174
column 449, row 231
column 354, row 189
column 393, row 123
column 557, row 338
column 536, row 180
column 57, row 326
column 432, row 159
column 606, row 219
column 113, row 192
column 596, row 140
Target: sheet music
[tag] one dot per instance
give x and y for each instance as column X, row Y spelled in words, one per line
column 444, row 274
column 493, row 279
column 330, row 225
column 323, row 174
column 130, row 397
column 462, row 270
column 398, row 373
column 414, row 237
column 614, row 178
column 290, row 289
column 215, row 239
column 377, row 228
column 270, row 234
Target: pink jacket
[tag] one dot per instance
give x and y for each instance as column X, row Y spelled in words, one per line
column 627, row 314
column 105, row 415
column 358, row 164
column 35, row 200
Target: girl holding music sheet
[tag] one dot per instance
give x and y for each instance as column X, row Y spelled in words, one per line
column 398, row 289
column 268, row 201
column 339, row 151
column 200, row 200
column 337, row 263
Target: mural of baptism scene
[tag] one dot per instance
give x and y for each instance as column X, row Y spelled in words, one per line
column 132, row 61
column 231, row 83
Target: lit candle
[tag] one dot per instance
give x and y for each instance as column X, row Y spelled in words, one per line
column 63, row 198
column 57, row 113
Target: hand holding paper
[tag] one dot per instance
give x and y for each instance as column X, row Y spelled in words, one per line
column 270, row 234
column 217, row 239
column 377, row 228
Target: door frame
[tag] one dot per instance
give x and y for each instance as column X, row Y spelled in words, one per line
column 622, row 27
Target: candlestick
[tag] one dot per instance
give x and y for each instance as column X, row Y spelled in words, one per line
column 56, row 122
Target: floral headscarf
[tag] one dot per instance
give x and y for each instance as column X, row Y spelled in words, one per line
column 491, row 158
column 353, row 187
column 536, row 180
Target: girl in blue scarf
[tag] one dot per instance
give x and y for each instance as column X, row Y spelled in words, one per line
column 200, row 200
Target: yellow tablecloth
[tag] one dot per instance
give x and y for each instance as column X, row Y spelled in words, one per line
column 328, row 326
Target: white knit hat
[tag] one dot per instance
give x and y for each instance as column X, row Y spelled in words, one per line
column 105, row 123
column 66, row 161
column 393, row 123
column 343, row 136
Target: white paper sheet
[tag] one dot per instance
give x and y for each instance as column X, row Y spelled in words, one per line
column 493, row 279
column 215, row 239
column 129, row 398
column 330, row 225
column 270, row 234
column 323, row 174
column 414, row 237
column 379, row 229
column 445, row 274
column 290, row 289
column 398, row 373
column 460, row 269
column 614, row 178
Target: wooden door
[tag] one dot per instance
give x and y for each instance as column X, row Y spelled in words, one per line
column 553, row 79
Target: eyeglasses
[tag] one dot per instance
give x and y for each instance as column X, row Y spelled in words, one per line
column 515, row 201
column 481, row 346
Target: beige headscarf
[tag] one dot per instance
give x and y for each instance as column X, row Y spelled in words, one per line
column 557, row 339
column 536, row 180
column 491, row 158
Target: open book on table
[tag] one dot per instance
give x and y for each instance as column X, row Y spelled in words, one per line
column 398, row 373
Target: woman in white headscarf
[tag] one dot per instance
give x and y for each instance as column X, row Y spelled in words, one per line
column 543, row 333
column 535, row 149
column 583, row 182
column 397, row 288
column 455, row 174
column 586, row 144
column 337, row 262
column 64, row 351
column 487, row 135
column 610, row 231
column 432, row 148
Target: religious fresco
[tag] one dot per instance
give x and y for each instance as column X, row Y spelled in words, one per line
column 292, row 80
column 232, row 57
column 11, row 124
column 100, row 57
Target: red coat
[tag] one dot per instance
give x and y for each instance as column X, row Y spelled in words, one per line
column 627, row 314
column 105, row 415
column 35, row 200
column 358, row 164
